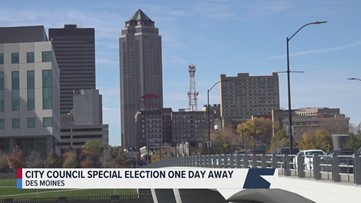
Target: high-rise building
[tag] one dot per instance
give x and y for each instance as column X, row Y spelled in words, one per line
column 75, row 53
column 29, row 91
column 140, row 72
column 245, row 96
column 80, row 101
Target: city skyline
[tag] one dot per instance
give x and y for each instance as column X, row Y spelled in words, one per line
column 221, row 37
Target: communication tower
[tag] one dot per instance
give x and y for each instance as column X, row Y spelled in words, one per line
column 192, row 94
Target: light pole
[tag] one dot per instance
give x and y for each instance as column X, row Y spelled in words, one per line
column 208, row 118
column 289, row 82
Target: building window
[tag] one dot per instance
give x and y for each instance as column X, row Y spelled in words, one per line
column 2, row 91
column 48, row 122
column 31, row 90
column 15, row 58
column 46, row 56
column 30, row 57
column 31, row 123
column 47, row 92
column 1, row 58
column 15, row 83
column 16, row 122
column 2, row 123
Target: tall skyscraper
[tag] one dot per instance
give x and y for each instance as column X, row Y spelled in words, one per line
column 29, row 91
column 140, row 72
column 75, row 53
column 80, row 101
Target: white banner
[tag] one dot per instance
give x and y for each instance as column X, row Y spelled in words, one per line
column 185, row 178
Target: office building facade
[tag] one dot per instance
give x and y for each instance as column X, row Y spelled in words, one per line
column 29, row 91
column 84, row 123
column 140, row 72
column 153, row 128
column 244, row 96
column 309, row 120
column 80, row 101
column 190, row 128
column 75, row 53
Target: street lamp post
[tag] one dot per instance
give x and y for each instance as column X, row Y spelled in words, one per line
column 289, row 81
column 208, row 118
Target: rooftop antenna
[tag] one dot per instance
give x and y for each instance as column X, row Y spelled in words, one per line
column 192, row 94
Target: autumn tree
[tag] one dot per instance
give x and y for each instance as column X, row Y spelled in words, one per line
column 355, row 129
column 3, row 162
column 92, row 151
column 255, row 130
column 70, row 159
column 106, row 157
column 16, row 158
column 92, row 148
column 33, row 160
column 279, row 140
column 224, row 141
column 120, row 161
column 316, row 140
column 88, row 162
column 53, row 161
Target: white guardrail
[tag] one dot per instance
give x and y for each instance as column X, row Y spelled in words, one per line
column 340, row 168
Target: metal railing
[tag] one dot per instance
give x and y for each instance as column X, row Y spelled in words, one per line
column 337, row 168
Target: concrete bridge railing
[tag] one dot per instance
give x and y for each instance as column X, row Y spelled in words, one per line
column 340, row 168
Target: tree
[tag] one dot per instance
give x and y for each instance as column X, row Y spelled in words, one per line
column 88, row 162
column 53, row 161
column 279, row 140
column 16, row 158
column 120, row 161
column 92, row 151
column 92, row 148
column 317, row 140
column 3, row 162
column 70, row 159
column 353, row 142
column 355, row 129
column 106, row 159
column 224, row 141
column 255, row 130
column 33, row 160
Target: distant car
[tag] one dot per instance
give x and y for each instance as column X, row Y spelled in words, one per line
column 256, row 152
column 308, row 154
column 238, row 153
column 346, row 160
column 286, row 150
column 224, row 162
